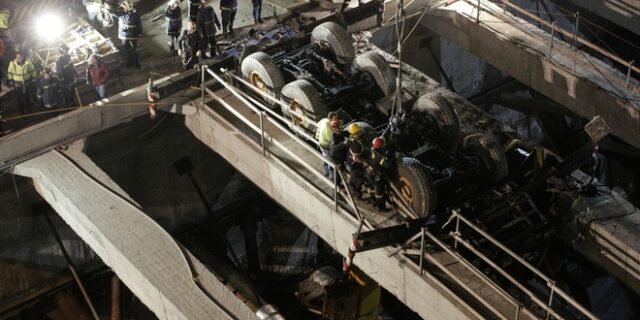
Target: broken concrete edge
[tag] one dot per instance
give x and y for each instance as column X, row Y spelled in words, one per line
column 85, row 121
column 112, row 256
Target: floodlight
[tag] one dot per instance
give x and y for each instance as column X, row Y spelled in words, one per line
column 49, row 26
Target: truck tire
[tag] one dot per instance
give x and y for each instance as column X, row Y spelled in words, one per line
column 492, row 157
column 441, row 110
column 336, row 37
column 302, row 96
column 415, row 184
column 379, row 68
column 261, row 71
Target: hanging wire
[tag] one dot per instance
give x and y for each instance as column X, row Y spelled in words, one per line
column 396, row 107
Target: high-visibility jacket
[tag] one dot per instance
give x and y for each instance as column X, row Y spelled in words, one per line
column 323, row 133
column 5, row 17
column 129, row 26
column 173, row 18
column 21, row 74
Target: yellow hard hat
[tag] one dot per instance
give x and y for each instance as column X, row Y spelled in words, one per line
column 354, row 128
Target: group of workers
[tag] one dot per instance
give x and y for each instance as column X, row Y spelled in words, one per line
column 367, row 165
column 191, row 43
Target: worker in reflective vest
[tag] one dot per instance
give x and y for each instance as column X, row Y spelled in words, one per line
column 21, row 76
column 377, row 165
column 48, row 89
column 194, row 7
column 206, row 23
column 67, row 74
column 173, row 18
column 356, row 162
column 323, row 135
column 228, row 9
column 129, row 30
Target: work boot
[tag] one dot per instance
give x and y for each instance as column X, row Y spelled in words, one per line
column 260, row 20
column 381, row 205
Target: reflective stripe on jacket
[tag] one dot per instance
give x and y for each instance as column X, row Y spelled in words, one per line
column 207, row 21
column 21, row 74
column 228, row 5
column 129, row 26
column 173, row 19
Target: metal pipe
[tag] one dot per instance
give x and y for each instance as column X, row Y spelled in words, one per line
column 115, row 297
column 264, row 152
column 265, row 95
column 550, row 302
column 553, row 29
column 202, row 77
column 71, row 267
column 568, row 34
column 478, row 13
column 421, row 248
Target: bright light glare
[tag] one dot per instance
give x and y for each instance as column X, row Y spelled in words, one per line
column 49, row 27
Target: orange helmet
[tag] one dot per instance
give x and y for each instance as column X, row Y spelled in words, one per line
column 377, row 143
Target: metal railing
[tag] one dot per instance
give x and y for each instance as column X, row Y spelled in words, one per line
column 458, row 239
column 266, row 115
column 573, row 35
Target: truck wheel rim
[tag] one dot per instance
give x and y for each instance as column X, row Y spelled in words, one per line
column 257, row 81
column 297, row 110
column 406, row 190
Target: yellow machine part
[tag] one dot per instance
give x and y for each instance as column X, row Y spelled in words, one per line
column 5, row 16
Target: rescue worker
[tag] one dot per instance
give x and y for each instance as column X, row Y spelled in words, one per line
column 376, row 169
column 48, row 89
column 194, row 7
column 356, row 162
column 129, row 30
column 173, row 18
column 66, row 73
column 97, row 75
column 190, row 44
column 337, row 144
column 21, row 76
column 206, row 23
column 323, row 135
column 228, row 9
column 257, row 11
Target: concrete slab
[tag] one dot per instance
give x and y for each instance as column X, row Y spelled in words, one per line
column 580, row 82
column 158, row 270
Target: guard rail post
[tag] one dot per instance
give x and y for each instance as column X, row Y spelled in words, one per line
column 202, row 87
column 552, row 287
column 421, row 248
column 264, row 150
column 335, row 186
column 553, row 29
column 478, row 13
column 576, row 28
column 626, row 86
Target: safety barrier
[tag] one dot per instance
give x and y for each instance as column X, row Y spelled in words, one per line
column 459, row 239
column 577, row 40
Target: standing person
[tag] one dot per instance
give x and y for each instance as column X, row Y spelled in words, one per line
column 48, row 89
column 377, row 165
column 173, row 17
column 356, row 162
column 323, row 135
column 194, row 7
column 98, row 74
column 129, row 30
column 21, row 76
column 337, row 144
column 228, row 9
column 257, row 11
column 190, row 45
column 66, row 74
column 206, row 23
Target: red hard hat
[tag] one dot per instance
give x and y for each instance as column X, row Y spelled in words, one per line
column 377, row 143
